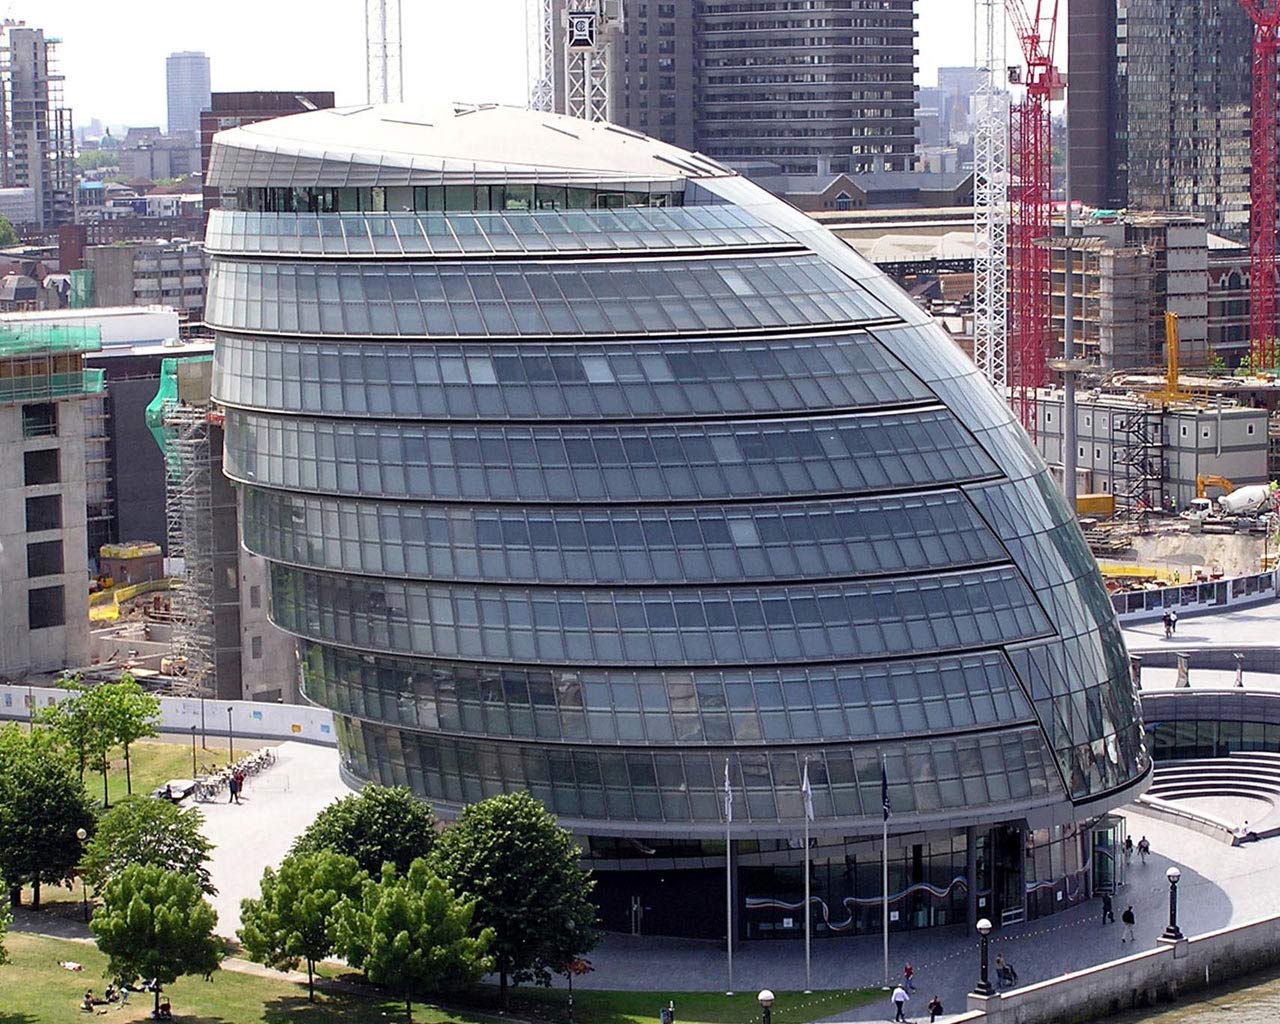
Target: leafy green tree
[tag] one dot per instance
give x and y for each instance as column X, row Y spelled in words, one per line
column 157, row 924
column 411, row 934
column 379, row 824
column 139, row 830
column 42, row 805
column 131, row 714
column 509, row 854
column 294, row 918
column 92, row 159
column 69, row 721
column 8, row 236
column 6, row 919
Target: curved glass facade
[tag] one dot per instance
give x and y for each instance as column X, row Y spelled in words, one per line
column 591, row 502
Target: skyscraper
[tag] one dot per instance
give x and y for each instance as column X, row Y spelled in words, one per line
column 187, row 76
column 826, row 89
column 37, row 141
column 1159, row 107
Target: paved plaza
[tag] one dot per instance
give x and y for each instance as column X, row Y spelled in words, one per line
column 278, row 803
column 1256, row 626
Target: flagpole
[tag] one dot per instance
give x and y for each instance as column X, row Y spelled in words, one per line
column 728, row 874
column 884, row 867
column 808, row 906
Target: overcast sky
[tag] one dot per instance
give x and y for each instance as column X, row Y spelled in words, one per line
column 113, row 57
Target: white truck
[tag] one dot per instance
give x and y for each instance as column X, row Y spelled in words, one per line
column 1242, row 502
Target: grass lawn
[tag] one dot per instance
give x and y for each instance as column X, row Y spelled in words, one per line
column 34, row 989
column 153, row 763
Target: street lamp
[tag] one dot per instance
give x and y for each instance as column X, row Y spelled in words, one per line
column 1173, row 933
column 231, row 740
column 193, row 753
column 984, row 983
column 82, row 835
column 766, row 1005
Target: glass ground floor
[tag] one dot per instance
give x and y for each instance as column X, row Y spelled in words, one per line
column 1008, row 873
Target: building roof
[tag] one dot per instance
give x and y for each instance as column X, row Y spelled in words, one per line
column 439, row 141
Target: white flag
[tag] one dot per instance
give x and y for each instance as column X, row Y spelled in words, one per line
column 807, row 790
column 728, row 794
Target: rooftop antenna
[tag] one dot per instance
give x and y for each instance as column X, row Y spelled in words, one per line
column 384, row 68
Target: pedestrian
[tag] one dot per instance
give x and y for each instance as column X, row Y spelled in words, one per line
column 935, row 1009
column 1173, row 617
column 1108, row 914
column 239, row 776
column 1128, row 849
column 1129, row 921
column 908, row 978
column 900, row 998
column 1144, row 848
column 233, row 789
column 1167, row 622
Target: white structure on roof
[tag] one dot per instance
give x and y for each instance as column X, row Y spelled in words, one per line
column 591, row 30
column 419, row 144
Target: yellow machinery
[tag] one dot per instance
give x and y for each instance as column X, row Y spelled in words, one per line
column 1203, row 483
column 1100, row 504
column 1172, row 390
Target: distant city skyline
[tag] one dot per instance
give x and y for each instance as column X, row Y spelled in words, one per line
column 473, row 51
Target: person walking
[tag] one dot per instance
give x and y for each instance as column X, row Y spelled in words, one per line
column 935, row 1009
column 908, row 978
column 1129, row 921
column 1128, row 849
column 1108, row 913
column 900, row 998
column 233, row 791
column 1173, row 619
column 1144, row 848
column 239, row 776
column 1167, row 622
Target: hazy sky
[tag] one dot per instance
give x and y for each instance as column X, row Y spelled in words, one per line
column 113, row 56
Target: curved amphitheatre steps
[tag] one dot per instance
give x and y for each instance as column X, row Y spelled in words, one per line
column 1251, row 775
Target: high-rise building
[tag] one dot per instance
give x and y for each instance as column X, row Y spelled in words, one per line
column 37, row 139
column 587, row 468
column 1159, row 104
column 821, row 90
column 187, row 79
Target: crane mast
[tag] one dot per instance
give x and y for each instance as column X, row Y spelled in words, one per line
column 990, row 198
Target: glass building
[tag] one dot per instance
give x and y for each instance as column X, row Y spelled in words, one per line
column 586, row 467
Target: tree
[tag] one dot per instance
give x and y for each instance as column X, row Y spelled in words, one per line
column 509, row 855
column 130, row 714
column 411, row 934
column 157, row 924
column 6, row 919
column 42, row 805
column 378, row 825
column 82, row 723
column 8, row 236
column 294, row 918
column 139, row 830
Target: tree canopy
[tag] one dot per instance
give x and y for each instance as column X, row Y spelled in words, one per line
column 157, row 924
column 42, row 805
column 294, row 917
column 8, row 234
column 508, row 854
column 411, row 934
column 139, row 830
column 380, row 824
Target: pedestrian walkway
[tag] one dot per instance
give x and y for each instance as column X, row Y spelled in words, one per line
column 1256, row 626
column 1220, row 886
column 277, row 805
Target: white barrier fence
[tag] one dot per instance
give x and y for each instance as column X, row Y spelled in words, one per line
column 208, row 717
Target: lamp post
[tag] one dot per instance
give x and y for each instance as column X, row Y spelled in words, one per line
column 82, row 835
column 984, row 983
column 766, row 1005
column 1173, row 933
column 193, row 753
column 231, row 739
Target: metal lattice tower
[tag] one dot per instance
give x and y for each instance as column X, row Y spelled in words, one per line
column 189, row 525
column 990, row 198
column 384, row 70
column 540, row 44
column 590, row 29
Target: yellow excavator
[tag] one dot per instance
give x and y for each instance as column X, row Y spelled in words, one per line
column 1205, row 482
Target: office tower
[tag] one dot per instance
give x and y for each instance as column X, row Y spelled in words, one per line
column 187, row 78
column 585, row 467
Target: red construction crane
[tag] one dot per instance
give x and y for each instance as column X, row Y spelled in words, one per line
column 1265, row 15
column 1030, row 193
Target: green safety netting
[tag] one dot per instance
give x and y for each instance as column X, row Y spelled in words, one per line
column 167, row 394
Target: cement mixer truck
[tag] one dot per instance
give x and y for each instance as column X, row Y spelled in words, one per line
column 1235, row 502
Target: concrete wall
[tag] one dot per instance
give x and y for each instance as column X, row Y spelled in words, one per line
column 1190, row 598
column 1144, row 979
column 22, row 649
column 269, row 656
column 250, row 719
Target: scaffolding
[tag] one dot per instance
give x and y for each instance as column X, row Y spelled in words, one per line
column 182, row 429
column 1138, row 463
